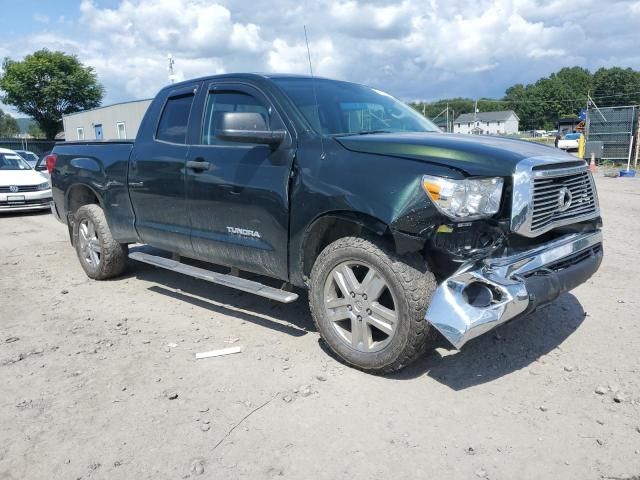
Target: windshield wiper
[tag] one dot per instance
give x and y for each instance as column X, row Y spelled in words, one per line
column 362, row 132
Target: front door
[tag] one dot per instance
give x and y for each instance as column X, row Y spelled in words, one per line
column 238, row 192
column 98, row 131
column 157, row 177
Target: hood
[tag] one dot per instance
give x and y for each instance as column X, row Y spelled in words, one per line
column 21, row 177
column 474, row 155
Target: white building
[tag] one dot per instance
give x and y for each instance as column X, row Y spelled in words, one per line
column 117, row 121
column 487, row 123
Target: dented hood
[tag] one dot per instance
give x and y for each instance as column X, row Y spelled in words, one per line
column 471, row 154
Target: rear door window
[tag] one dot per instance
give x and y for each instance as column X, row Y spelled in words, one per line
column 174, row 119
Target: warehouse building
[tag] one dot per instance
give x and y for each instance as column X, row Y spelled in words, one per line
column 119, row 121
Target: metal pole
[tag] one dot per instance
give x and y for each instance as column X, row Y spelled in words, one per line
column 635, row 161
column 448, row 118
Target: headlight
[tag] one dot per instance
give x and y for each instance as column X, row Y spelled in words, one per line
column 467, row 199
column 44, row 186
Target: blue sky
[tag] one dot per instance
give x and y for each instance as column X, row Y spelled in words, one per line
column 425, row 49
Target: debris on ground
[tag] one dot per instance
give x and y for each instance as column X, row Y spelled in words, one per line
column 219, row 353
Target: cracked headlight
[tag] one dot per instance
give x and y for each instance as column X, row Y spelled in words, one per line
column 467, row 199
column 44, row 186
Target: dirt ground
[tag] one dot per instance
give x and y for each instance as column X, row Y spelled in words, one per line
column 90, row 370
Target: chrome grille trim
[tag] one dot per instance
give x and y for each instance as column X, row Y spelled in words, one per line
column 536, row 206
column 21, row 188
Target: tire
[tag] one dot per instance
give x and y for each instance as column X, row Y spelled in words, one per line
column 100, row 255
column 384, row 341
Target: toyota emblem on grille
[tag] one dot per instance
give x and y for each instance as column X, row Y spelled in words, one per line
column 13, row 188
column 564, row 199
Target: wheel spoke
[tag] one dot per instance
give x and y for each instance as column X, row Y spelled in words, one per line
column 83, row 232
column 360, row 335
column 346, row 280
column 95, row 259
column 340, row 312
column 91, row 230
column 373, row 285
column 94, row 245
column 383, row 318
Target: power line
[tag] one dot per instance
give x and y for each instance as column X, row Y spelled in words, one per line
column 489, row 100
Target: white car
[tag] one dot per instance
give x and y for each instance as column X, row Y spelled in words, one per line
column 571, row 141
column 21, row 187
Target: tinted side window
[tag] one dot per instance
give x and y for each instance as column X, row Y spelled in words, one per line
column 220, row 102
column 174, row 119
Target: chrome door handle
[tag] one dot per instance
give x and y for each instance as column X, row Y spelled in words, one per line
column 198, row 165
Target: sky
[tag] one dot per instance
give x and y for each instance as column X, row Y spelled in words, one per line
column 415, row 50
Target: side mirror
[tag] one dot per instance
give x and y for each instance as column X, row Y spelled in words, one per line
column 247, row 127
column 40, row 167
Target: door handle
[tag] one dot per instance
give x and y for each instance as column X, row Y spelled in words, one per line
column 198, row 165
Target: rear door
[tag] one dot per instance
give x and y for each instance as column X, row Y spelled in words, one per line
column 238, row 192
column 157, row 176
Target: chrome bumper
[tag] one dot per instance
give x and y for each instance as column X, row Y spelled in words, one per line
column 482, row 295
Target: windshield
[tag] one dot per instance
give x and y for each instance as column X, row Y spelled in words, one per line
column 11, row 161
column 28, row 156
column 350, row 109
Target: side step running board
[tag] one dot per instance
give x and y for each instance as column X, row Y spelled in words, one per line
column 238, row 283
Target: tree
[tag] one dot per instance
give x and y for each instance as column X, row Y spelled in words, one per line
column 8, row 125
column 616, row 86
column 46, row 85
column 34, row 130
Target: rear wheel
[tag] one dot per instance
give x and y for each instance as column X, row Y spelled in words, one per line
column 100, row 255
column 369, row 304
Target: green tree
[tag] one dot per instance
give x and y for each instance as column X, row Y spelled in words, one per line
column 34, row 130
column 8, row 125
column 616, row 86
column 46, row 85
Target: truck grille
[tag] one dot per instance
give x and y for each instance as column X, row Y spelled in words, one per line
column 549, row 195
column 21, row 188
column 562, row 198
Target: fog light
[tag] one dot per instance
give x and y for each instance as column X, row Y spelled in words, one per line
column 478, row 295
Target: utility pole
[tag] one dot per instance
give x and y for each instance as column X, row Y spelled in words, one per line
column 447, row 117
column 475, row 114
column 172, row 77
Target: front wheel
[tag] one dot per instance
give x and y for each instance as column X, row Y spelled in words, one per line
column 369, row 304
column 100, row 255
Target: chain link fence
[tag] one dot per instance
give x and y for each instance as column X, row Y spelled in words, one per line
column 615, row 128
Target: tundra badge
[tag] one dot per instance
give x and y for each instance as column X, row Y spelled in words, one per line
column 244, row 232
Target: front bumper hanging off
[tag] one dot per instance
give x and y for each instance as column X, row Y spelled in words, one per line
column 484, row 294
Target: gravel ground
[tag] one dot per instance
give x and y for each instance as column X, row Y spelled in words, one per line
column 99, row 379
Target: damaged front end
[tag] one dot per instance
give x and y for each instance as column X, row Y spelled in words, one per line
column 551, row 243
column 485, row 293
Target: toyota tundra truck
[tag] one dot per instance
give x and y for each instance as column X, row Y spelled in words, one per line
column 397, row 230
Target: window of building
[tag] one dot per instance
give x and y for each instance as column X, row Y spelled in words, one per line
column 174, row 119
column 80, row 133
column 230, row 101
column 498, row 123
column 122, row 131
column 469, row 124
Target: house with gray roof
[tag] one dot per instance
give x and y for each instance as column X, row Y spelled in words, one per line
column 504, row 122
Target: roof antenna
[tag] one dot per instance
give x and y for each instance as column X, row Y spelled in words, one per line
column 315, row 94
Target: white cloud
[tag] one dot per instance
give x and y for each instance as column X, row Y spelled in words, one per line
column 40, row 18
column 412, row 48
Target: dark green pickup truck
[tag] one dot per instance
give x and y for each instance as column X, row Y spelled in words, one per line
column 397, row 230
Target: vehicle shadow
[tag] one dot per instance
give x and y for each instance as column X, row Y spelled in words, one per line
column 506, row 349
column 28, row 213
column 292, row 319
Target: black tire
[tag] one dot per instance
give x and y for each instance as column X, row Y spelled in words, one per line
column 112, row 256
column 408, row 281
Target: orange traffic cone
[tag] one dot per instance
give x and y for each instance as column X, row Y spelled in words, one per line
column 592, row 163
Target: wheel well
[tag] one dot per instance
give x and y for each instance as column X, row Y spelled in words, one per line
column 329, row 228
column 80, row 195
